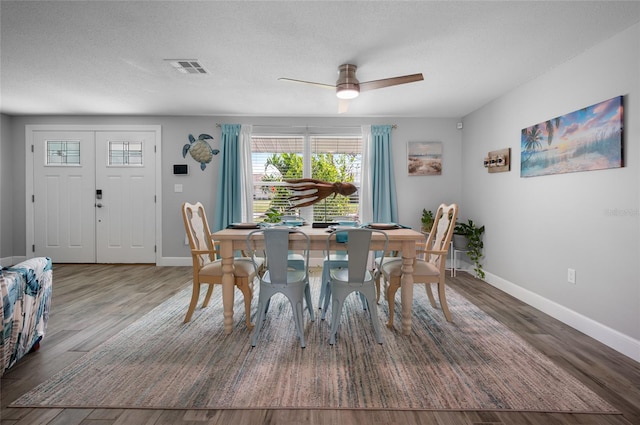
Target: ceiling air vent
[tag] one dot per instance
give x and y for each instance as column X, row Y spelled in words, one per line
column 187, row 66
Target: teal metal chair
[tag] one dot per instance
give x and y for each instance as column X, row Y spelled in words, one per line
column 356, row 277
column 338, row 259
column 278, row 277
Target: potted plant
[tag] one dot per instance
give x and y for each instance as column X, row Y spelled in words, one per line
column 427, row 220
column 468, row 237
column 272, row 215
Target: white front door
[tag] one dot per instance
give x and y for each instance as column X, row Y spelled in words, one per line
column 94, row 196
column 63, row 195
column 125, row 197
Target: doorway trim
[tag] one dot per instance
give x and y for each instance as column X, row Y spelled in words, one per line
column 29, row 168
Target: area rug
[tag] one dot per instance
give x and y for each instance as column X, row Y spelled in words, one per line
column 474, row 363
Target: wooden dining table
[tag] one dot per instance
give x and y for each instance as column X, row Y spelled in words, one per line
column 402, row 240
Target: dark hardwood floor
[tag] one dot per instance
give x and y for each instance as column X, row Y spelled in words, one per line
column 93, row 302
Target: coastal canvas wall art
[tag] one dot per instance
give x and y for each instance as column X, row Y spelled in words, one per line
column 584, row 140
column 424, row 158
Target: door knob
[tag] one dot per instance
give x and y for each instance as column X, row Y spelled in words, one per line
column 99, row 205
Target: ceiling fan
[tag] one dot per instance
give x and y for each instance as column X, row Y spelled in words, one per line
column 348, row 87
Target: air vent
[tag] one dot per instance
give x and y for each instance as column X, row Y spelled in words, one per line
column 187, row 66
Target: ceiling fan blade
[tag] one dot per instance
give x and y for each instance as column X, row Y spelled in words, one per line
column 387, row 82
column 326, row 86
column 343, row 106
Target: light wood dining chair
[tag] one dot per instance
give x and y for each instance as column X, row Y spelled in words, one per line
column 427, row 270
column 207, row 270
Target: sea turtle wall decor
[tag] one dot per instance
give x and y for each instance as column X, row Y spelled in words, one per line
column 200, row 149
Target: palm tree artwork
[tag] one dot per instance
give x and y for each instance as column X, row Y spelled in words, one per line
column 587, row 139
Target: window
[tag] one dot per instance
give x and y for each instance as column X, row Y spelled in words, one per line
column 63, row 152
column 125, row 153
column 330, row 158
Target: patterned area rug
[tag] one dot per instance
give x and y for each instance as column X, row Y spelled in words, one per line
column 474, row 363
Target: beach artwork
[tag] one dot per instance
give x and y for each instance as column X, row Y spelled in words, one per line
column 585, row 140
column 424, row 158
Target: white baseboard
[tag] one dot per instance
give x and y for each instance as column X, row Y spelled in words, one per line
column 175, row 261
column 9, row 261
column 620, row 342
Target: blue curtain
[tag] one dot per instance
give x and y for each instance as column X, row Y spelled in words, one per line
column 383, row 185
column 228, row 201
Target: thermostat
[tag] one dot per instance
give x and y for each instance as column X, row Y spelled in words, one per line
column 180, row 169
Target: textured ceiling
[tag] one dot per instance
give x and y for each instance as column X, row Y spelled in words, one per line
column 108, row 57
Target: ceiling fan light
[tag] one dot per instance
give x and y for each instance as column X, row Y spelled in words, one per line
column 347, row 91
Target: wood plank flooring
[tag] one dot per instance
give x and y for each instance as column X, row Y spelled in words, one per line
column 93, row 302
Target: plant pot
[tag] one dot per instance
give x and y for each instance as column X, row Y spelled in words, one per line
column 460, row 242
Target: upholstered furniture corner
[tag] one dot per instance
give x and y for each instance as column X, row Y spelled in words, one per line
column 25, row 289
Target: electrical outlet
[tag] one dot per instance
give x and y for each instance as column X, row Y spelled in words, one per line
column 571, row 275
column 186, row 239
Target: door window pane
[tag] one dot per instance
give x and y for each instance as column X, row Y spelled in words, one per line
column 63, row 152
column 125, row 153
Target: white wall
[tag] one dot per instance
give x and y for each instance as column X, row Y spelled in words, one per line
column 415, row 193
column 539, row 227
column 6, row 172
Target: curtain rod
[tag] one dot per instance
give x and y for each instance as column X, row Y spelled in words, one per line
column 394, row 126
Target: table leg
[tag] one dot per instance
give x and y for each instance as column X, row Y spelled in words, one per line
column 406, row 282
column 226, row 252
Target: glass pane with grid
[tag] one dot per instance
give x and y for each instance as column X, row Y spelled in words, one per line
column 333, row 159
column 274, row 160
column 63, row 152
column 337, row 159
column 123, row 153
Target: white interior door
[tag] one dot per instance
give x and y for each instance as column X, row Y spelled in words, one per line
column 94, row 196
column 125, row 197
column 63, row 195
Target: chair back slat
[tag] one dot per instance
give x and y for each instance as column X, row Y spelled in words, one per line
column 276, row 249
column 358, row 254
column 442, row 231
column 198, row 232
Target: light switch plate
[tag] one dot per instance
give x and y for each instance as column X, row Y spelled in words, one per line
column 571, row 276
